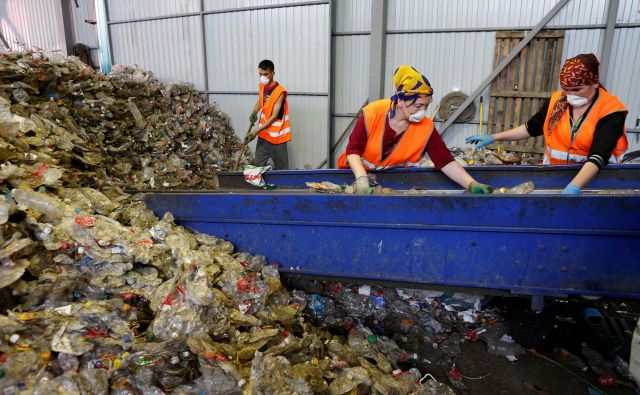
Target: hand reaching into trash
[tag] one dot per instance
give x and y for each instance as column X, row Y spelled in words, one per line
column 480, row 140
column 478, row 188
column 362, row 186
column 571, row 189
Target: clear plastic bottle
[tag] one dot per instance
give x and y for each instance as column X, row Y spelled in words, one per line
column 7, row 206
column 50, row 206
column 355, row 305
column 634, row 362
column 20, row 95
column 51, row 105
column 68, row 362
column 50, row 176
column 316, row 305
column 522, row 189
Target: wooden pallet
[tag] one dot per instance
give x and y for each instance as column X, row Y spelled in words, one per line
column 522, row 87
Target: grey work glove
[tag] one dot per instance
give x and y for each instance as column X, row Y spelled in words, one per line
column 251, row 136
column 361, row 186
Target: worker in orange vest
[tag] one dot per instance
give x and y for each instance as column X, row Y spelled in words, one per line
column 581, row 124
column 273, row 130
column 396, row 133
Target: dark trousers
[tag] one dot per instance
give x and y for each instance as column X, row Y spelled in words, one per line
column 277, row 152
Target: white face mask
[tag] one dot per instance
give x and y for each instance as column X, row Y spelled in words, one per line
column 577, row 101
column 264, row 80
column 417, row 116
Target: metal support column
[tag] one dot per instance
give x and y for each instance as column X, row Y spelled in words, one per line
column 205, row 63
column 605, row 51
column 377, row 49
column 330, row 87
column 505, row 62
column 104, row 41
column 67, row 26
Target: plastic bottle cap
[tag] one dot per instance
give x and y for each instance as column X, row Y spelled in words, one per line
column 14, row 338
column 372, row 339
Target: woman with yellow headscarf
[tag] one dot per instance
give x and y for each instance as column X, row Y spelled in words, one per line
column 396, row 132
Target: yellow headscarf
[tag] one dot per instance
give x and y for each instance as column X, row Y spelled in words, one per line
column 409, row 84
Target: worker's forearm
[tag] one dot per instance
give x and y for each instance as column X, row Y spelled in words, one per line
column 519, row 133
column 458, row 174
column 256, row 107
column 585, row 175
column 268, row 123
column 355, row 162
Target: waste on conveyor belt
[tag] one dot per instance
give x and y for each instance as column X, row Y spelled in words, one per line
column 330, row 187
column 485, row 156
column 125, row 128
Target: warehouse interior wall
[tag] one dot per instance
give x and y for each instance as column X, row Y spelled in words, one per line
column 322, row 50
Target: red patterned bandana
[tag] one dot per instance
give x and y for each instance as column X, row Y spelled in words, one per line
column 576, row 71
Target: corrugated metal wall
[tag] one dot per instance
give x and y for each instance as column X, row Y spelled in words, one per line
column 426, row 34
column 171, row 48
column 350, row 85
column 33, row 23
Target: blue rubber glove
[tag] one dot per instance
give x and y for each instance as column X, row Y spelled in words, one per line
column 481, row 140
column 571, row 189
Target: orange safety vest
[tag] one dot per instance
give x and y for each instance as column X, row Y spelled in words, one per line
column 561, row 150
column 278, row 132
column 408, row 151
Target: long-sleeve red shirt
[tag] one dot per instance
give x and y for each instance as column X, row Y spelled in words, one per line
column 435, row 148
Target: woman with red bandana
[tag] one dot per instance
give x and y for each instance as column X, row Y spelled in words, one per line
column 396, row 133
column 581, row 124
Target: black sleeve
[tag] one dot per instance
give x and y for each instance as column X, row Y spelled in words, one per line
column 535, row 125
column 608, row 130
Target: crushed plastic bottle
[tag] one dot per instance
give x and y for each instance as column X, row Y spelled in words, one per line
column 68, row 362
column 504, row 346
column 51, row 207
